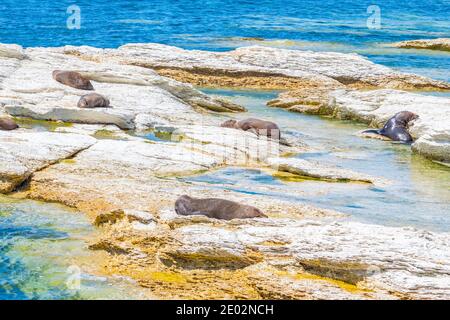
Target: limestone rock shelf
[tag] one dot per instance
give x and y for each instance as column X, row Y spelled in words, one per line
column 310, row 77
column 260, row 67
column 97, row 162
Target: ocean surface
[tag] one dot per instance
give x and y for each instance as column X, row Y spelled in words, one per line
column 345, row 26
column 39, row 242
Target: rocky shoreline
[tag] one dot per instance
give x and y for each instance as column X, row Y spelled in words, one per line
column 127, row 184
column 441, row 44
column 312, row 78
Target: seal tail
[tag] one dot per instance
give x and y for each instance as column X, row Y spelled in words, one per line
column 372, row 131
column 284, row 142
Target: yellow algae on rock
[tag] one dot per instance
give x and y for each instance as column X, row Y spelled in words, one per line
column 167, row 277
column 105, row 134
column 68, row 161
column 291, row 177
column 352, row 288
column 49, row 125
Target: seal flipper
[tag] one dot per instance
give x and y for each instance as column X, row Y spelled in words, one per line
column 403, row 137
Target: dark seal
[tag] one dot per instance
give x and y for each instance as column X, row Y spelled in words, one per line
column 7, row 124
column 93, row 100
column 257, row 126
column 396, row 128
column 72, row 79
column 216, row 208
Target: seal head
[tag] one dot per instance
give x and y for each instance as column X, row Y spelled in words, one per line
column 93, row 100
column 230, row 124
column 259, row 127
column 7, row 124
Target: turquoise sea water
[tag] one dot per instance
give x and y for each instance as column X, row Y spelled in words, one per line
column 43, row 247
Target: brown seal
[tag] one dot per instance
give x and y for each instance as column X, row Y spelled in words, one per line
column 257, row 126
column 396, row 128
column 215, row 208
column 93, row 100
column 72, row 79
column 7, row 124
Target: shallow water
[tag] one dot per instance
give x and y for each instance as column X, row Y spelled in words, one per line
column 42, row 249
column 223, row 25
column 419, row 195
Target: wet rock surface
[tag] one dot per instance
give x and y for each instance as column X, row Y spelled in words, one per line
column 431, row 130
column 442, row 44
column 317, row 170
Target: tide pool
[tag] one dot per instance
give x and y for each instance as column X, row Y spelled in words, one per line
column 418, row 196
column 43, row 255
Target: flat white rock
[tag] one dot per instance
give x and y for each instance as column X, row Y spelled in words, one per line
column 23, row 152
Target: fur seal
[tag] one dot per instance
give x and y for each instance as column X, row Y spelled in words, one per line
column 396, row 128
column 72, row 79
column 93, row 100
column 257, row 126
column 7, row 124
column 215, row 208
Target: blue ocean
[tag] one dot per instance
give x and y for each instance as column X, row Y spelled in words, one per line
column 345, row 26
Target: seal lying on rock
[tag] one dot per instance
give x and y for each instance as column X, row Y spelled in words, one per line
column 72, row 79
column 215, row 208
column 396, row 128
column 93, row 100
column 7, row 124
column 258, row 126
